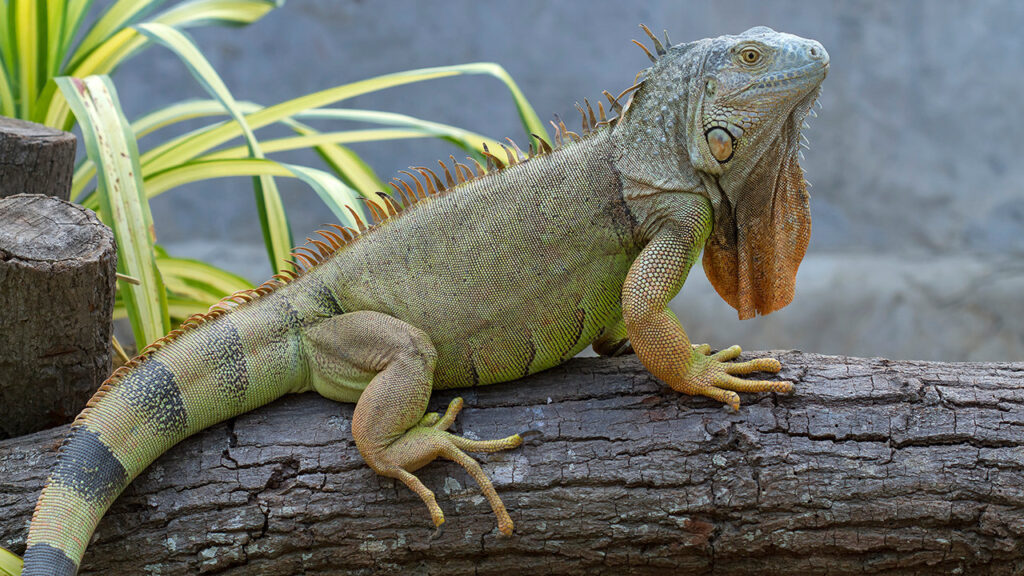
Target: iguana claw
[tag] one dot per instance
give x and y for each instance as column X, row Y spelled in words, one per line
column 428, row 440
column 711, row 375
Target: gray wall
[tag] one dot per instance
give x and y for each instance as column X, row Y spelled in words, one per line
column 917, row 197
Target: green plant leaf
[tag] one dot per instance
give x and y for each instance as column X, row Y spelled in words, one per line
column 198, row 280
column 314, row 139
column 346, row 163
column 192, row 286
column 10, row 563
column 54, row 13
column 180, row 112
column 125, row 42
column 182, row 308
column 28, row 48
column 6, row 39
column 120, row 15
column 111, row 145
column 274, row 222
column 197, row 143
column 331, row 191
column 465, row 139
column 527, row 115
column 7, row 105
column 74, row 12
column 352, row 170
column 329, row 188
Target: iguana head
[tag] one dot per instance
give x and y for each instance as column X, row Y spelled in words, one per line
column 726, row 115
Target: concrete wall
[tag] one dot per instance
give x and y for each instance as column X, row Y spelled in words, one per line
column 918, row 201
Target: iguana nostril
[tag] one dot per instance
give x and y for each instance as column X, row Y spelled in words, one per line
column 720, row 143
column 817, row 52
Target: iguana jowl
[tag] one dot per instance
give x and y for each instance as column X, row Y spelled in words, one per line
column 486, row 277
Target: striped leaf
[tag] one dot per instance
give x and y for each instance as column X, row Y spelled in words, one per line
column 10, row 564
column 197, row 143
column 124, row 207
column 26, row 27
column 192, row 286
column 198, row 281
column 330, row 189
column 116, row 42
column 274, row 222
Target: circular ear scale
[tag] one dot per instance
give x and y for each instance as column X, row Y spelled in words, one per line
column 720, row 143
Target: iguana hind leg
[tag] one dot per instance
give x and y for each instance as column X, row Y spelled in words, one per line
column 390, row 428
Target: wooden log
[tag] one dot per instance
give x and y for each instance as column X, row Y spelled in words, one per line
column 35, row 159
column 872, row 467
column 57, row 275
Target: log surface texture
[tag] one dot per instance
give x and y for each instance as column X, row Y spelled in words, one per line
column 57, row 274
column 872, row 467
column 35, row 159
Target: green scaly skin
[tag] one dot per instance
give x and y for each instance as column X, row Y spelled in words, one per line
column 502, row 276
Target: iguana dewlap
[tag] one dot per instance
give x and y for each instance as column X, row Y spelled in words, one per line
column 472, row 278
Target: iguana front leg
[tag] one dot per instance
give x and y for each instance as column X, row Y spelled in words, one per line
column 657, row 337
column 615, row 340
column 389, row 426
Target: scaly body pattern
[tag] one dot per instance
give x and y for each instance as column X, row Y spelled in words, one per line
column 479, row 276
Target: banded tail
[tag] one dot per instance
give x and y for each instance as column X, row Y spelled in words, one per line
column 216, row 366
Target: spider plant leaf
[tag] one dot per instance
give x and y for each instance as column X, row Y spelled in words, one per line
column 10, row 563
column 120, row 15
column 273, row 221
column 189, row 146
column 198, row 280
column 335, row 194
column 125, row 42
column 111, row 145
column 28, row 50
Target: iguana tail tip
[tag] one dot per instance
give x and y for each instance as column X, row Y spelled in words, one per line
column 530, row 434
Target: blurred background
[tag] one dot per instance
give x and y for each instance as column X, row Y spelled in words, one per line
column 917, row 249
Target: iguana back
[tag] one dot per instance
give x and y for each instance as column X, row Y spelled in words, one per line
column 508, row 274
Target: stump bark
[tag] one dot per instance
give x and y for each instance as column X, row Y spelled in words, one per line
column 57, row 275
column 872, row 467
column 35, row 159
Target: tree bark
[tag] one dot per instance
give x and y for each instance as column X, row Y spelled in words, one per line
column 35, row 159
column 57, row 274
column 872, row 467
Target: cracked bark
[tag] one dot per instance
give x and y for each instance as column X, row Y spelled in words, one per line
column 873, row 467
column 35, row 159
column 57, row 274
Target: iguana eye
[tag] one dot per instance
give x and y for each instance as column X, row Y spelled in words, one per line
column 750, row 55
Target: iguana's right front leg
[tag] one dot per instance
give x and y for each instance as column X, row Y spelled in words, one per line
column 615, row 340
column 658, row 338
column 390, row 428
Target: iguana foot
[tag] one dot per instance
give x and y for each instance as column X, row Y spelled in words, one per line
column 429, row 440
column 713, row 376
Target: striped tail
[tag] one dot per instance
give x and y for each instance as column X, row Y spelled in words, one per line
column 219, row 367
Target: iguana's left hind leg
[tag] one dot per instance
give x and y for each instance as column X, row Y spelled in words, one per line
column 390, row 428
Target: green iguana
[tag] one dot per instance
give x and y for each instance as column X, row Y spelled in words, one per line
column 487, row 276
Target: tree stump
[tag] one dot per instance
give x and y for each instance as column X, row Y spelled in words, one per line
column 35, row 159
column 871, row 467
column 57, row 275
